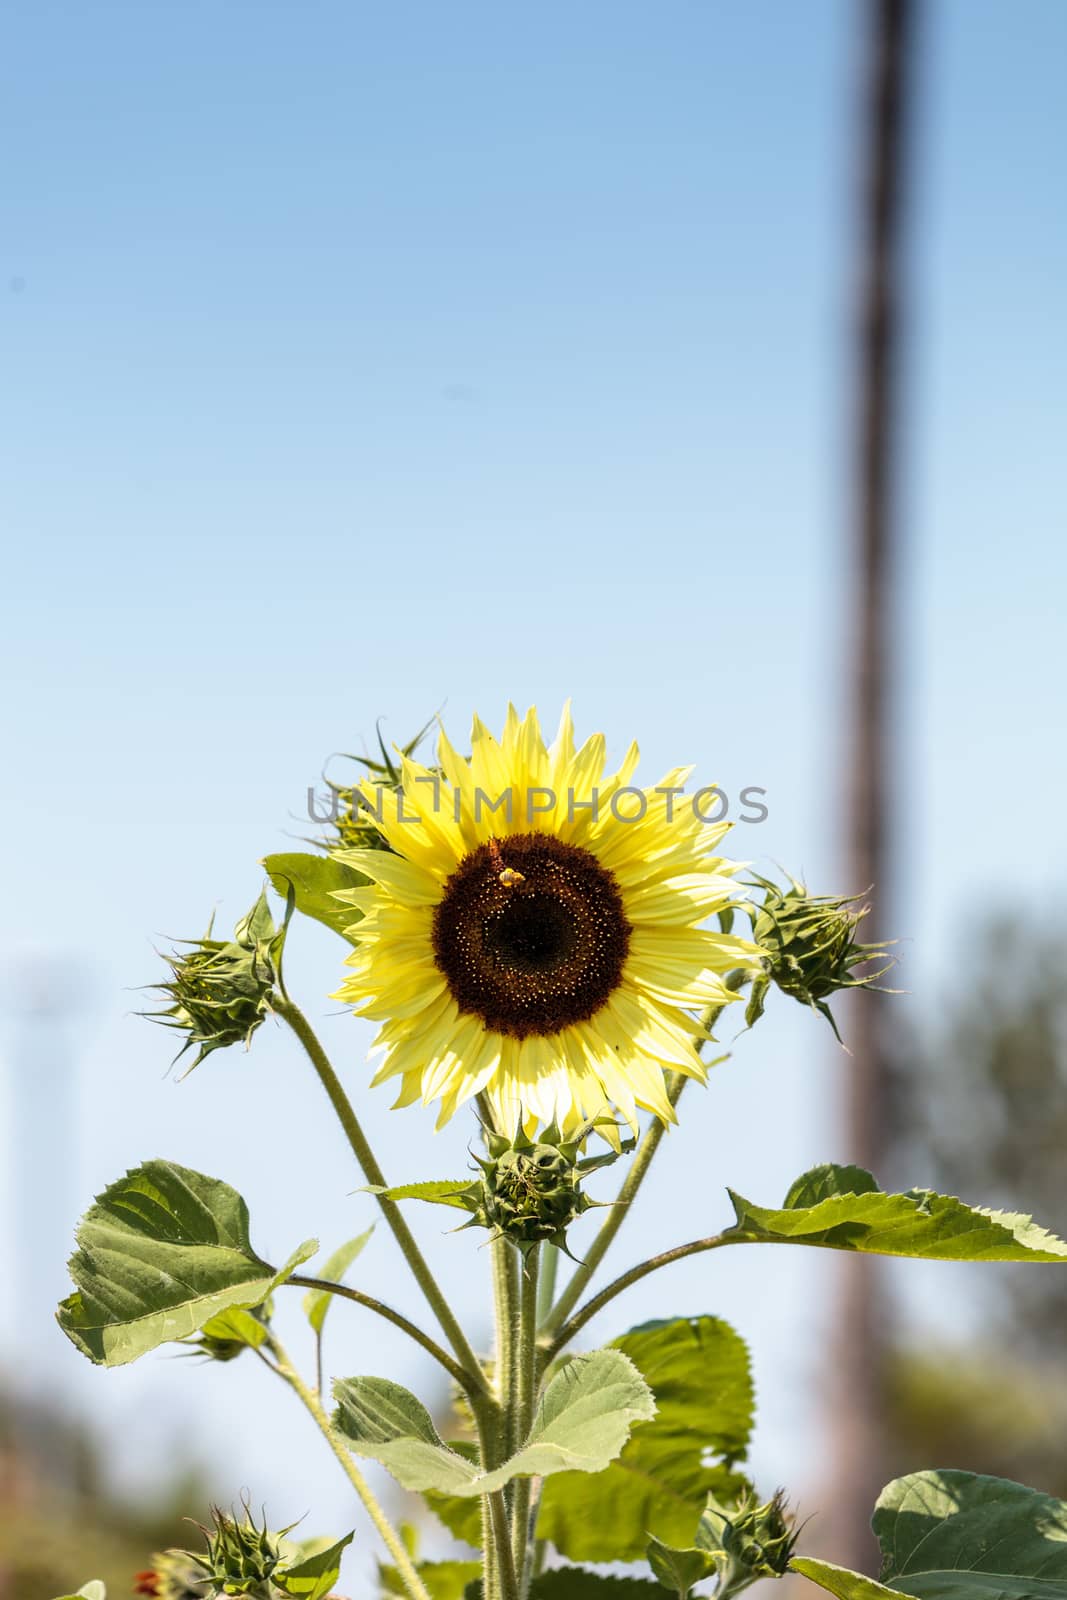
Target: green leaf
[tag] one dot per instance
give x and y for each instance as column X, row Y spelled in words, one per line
column 679, row 1570
column 842, row 1208
column 315, row 882
column 575, row 1583
column 959, row 1536
column 317, row 1301
column 698, row 1370
column 846, row 1585
column 582, row 1422
column 462, row 1518
column 313, row 1578
column 239, row 1326
column 438, row 1191
column 445, row 1580
column 162, row 1252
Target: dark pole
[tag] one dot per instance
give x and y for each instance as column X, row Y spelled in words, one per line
column 857, row 1383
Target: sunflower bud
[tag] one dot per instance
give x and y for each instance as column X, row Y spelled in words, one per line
column 530, row 1192
column 352, row 829
column 220, row 992
column 809, row 947
column 241, row 1558
column 750, row 1541
column 172, row 1576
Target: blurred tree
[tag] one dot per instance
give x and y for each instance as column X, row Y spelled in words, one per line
column 980, row 1110
column 61, row 1522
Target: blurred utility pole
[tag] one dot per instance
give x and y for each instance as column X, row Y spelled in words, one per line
column 859, row 1343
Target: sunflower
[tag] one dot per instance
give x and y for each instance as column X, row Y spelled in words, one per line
column 534, row 933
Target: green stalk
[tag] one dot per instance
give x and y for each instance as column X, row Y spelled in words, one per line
column 581, row 1276
column 625, row 1280
column 389, row 1535
column 464, row 1379
column 676, row 1082
column 506, row 1311
column 546, row 1280
column 524, row 1399
column 497, row 1436
column 374, row 1175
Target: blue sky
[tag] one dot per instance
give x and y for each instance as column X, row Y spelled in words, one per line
column 360, row 361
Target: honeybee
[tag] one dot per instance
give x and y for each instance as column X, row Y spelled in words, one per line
column 507, row 877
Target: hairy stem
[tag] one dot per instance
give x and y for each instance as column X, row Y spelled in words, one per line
column 527, row 1367
column 624, row 1281
column 363, row 1153
column 546, row 1280
column 389, row 1535
column 506, row 1314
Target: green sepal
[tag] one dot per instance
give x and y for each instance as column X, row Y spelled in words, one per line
column 435, row 1191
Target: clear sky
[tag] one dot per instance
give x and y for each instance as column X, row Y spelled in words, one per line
column 364, row 360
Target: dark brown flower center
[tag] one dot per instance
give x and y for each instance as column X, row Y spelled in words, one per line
column 531, row 934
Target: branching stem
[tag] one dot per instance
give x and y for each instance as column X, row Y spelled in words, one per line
column 466, row 1380
column 389, row 1535
column 368, row 1163
column 625, row 1280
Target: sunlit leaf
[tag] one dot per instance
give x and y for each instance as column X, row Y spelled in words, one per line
column 582, row 1422
column 317, row 1301
column 161, row 1252
column 314, row 1577
column 698, row 1370
column 959, row 1536
column 444, row 1580
column 314, row 882
column 842, row 1208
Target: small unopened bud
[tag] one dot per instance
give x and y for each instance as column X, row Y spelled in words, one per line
column 809, row 947
column 750, row 1541
column 353, row 828
column 530, row 1192
column 241, row 1557
column 220, row 991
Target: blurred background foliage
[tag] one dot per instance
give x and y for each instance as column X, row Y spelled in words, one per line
column 979, row 1109
column 61, row 1519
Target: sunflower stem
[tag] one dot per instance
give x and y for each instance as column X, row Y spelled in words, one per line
column 388, row 1534
column 527, row 1366
column 581, row 1276
column 552, row 1348
column 546, row 1279
column 506, row 1309
column 374, row 1175
column 496, row 1434
column 554, row 1319
column 462, row 1377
